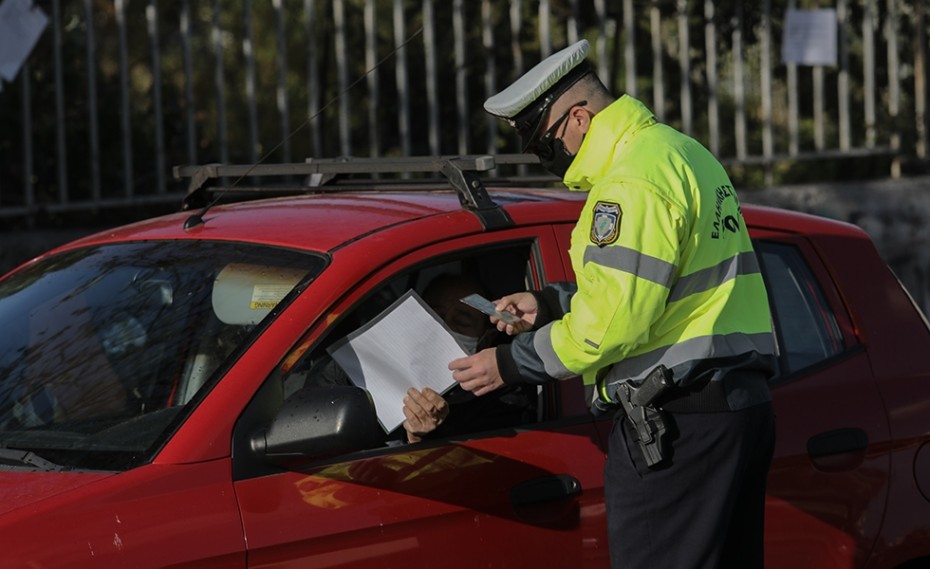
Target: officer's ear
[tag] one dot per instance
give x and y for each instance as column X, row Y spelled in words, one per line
column 582, row 118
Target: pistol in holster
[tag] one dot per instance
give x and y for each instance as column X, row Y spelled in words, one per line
column 648, row 420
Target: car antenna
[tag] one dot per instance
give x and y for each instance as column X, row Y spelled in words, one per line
column 196, row 219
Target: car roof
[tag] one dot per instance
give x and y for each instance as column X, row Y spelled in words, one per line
column 325, row 221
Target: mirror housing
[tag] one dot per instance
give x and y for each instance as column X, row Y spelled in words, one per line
column 317, row 423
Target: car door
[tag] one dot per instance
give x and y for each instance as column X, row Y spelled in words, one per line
column 828, row 482
column 521, row 496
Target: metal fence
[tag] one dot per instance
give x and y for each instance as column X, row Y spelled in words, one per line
column 118, row 91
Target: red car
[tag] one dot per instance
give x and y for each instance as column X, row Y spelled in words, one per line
column 159, row 407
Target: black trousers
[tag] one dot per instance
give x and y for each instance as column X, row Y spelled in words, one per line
column 703, row 507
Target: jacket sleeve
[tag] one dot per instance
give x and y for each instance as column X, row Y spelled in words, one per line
column 622, row 288
column 553, row 301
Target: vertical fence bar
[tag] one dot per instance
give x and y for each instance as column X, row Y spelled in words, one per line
column 571, row 28
column 658, row 81
column 710, row 46
column 151, row 13
column 629, row 47
column 793, row 111
column 545, row 29
column 339, row 22
column 843, row 78
column 766, row 85
column 819, row 114
column 374, row 93
column 403, row 91
column 818, row 95
column 29, row 196
column 894, row 92
column 461, row 86
column 490, row 71
column 92, row 127
column 739, row 90
column 282, row 99
column 684, row 66
column 219, row 83
column 128, row 189
column 516, row 23
column 516, row 52
column 432, row 94
column 248, row 50
column 920, row 83
column 62, row 157
column 185, row 25
column 601, row 42
column 313, row 80
column 868, row 56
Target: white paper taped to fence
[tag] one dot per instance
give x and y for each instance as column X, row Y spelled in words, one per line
column 809, row 37
column 21, row 25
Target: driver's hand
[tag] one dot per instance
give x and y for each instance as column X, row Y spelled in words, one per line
column 425, row 411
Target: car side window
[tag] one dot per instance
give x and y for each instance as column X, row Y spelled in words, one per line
column 491, row 273
column 805, row 325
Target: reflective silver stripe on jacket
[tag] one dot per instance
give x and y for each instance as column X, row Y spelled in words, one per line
column 712, row 277
column 662, row 273
column 681, row 357
column 631, row 261
column 542, row 342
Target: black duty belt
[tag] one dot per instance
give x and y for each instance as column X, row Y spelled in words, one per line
column 711, row 396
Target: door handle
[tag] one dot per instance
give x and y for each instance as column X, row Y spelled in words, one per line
column 838, row 441
column 545, row 489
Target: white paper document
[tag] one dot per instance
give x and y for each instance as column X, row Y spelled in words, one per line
column 809, row 37
column 407, row 345
column 21, row 24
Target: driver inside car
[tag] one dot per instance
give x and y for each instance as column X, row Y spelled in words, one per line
column 429, row 414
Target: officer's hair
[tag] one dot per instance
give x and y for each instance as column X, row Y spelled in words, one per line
column 589, row 88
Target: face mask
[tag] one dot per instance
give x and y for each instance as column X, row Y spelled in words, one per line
column 557, row 159
column 468, row 343
column 552, row 153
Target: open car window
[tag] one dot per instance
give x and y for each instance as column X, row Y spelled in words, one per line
column 489, row 272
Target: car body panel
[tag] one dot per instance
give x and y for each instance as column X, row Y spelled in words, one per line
column 152, row 516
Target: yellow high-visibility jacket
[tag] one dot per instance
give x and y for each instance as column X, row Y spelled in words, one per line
column 665, row 270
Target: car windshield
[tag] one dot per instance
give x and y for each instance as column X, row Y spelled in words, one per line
column 104, row 347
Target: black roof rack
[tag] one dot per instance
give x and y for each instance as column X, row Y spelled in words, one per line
column 329, row 174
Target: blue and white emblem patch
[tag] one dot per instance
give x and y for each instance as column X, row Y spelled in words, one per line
column 605, row 227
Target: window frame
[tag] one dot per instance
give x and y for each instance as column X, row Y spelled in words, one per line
column 830, row 296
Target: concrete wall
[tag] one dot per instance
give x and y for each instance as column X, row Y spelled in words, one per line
column 896, row 213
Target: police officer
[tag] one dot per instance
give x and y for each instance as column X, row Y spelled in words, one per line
column 667, row 281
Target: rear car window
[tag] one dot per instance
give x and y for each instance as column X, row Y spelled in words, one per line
column 107, row 345
column 805, row 324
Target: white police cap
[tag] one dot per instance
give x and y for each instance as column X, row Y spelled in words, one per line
column 523, row 104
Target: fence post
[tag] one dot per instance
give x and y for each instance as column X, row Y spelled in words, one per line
column 92, row 127
column 894, row 93
column 151, row 13
column 62, row 157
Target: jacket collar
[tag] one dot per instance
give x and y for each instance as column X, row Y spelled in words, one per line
column 610, row 130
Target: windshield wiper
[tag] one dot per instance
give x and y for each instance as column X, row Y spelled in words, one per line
column 10, row 457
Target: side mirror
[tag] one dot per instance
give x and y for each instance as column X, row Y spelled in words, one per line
column 319, row 422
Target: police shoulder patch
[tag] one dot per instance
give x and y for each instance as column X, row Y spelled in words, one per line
column 605, row 227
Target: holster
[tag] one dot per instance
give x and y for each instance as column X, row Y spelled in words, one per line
column 649, row 421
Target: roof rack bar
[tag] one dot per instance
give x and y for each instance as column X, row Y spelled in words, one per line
column 461, row 171
column 410, row 164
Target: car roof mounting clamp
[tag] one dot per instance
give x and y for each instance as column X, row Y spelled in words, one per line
column 471, row 191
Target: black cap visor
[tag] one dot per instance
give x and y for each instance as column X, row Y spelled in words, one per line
column 531, row 120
